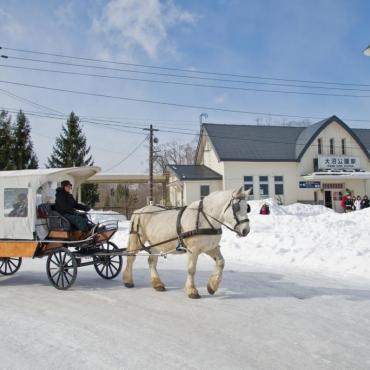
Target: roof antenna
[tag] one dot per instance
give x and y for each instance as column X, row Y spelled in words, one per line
column 201, row 116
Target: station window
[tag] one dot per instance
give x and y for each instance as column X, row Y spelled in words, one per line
column 16, row 202
column 248, row 184
column 319, row 146
column 331, row 146
column 204, row 191
column 279, row 185
column 343, row 146
column 264, row 186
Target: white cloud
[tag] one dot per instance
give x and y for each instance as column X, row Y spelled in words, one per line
column 129, row 25
column 220, row 99
column 9, row 25
column 65, row 14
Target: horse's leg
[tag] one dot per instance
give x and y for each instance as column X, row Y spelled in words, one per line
column 133, row 244
column 154, row 277
column 215, row 279
column 128, row 279
column 191, row 290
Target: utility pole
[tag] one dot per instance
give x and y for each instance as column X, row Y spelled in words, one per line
column 152, row 140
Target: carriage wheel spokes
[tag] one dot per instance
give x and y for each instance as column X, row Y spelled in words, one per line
column 61, row 268
column 110, row 265
column 10, row 265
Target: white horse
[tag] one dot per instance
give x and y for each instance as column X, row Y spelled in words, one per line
column 197, row 228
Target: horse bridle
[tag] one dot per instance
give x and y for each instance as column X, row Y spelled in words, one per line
column 235, row 207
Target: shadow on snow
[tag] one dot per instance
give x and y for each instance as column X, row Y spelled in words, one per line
column 235, row 284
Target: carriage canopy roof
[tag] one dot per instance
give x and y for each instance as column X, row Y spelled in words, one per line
column 21, row 191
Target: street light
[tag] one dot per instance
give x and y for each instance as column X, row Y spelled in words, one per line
column 367, row 51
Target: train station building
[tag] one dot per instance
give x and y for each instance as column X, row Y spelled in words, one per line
column 316, row 164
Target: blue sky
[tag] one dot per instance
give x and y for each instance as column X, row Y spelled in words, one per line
column 302, row 40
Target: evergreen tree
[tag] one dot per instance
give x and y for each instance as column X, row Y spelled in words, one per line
column 71, row 150
column 23, row 155
column 6, row 142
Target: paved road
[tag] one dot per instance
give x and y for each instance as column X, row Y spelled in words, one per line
column 260, row 319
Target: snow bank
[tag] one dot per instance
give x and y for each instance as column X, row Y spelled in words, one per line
column 298, row 235
column 307, row 236
column 100, row 215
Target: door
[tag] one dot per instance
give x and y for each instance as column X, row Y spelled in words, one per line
column 328, row 202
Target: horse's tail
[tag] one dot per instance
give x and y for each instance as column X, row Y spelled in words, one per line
column 133, row 240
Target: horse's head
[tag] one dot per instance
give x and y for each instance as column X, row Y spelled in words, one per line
column 236, row 212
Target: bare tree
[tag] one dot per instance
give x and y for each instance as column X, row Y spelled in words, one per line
column 174, row 152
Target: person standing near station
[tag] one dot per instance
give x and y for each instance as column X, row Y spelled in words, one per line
column 365, row 202
column 357, row 203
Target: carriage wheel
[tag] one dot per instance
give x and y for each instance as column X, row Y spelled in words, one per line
column 61, row 268
column 109, row 266
column 10, row 265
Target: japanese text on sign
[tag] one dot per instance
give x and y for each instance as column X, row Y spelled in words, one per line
column 338, row 163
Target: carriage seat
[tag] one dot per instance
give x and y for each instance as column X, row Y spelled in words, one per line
column 55, row 221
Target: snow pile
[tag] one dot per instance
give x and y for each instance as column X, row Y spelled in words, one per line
column 100, row 215
column 298, row 235
column 305, row 236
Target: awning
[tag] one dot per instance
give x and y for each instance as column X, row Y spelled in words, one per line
column 337, row 176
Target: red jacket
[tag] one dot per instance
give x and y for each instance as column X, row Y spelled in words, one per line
column 343, row 201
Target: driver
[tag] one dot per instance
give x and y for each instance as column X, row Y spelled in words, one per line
column 66, row 205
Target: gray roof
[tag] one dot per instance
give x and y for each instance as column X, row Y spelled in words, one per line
column 194, row 172
column 253, row 143
column 364, row 135
column 272, row 143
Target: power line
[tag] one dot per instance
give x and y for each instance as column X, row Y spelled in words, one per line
column 238, row 138
column 228, row 110
column 109, row 126
column 24, row 100
column 177, row 83
column 128, row 155
column 163, row 74
column 182, row 69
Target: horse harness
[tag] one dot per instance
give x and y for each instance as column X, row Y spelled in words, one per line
column 197, row 231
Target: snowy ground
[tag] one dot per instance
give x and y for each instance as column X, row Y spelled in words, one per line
column 272, row 311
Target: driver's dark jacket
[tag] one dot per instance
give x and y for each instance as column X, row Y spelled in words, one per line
column 65, row 203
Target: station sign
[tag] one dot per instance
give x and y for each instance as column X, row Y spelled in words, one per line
column 338, row 163
column 309, row 184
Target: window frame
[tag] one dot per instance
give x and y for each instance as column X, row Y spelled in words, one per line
column 332, row 146
column 247, row 184
column 263, row 183
column 200, row 190
column 319, row 146
column 279, row 182
column 25, row 190
column 344, row 146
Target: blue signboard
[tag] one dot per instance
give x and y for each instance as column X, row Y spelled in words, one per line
column 309, row 185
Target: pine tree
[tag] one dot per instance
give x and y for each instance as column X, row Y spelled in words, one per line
column 6, row 142
column 71, row 150
column 23, row 155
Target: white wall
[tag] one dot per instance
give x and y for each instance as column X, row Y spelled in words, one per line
column 209, row 157
column 235, row 171
column 192, row 189
column 336, row 132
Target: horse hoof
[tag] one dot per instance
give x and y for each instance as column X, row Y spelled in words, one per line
column 160, row 288
column 194, row 296
column 129, row 285
column 210, row 290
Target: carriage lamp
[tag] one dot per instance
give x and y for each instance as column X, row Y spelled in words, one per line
column 367, row 51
